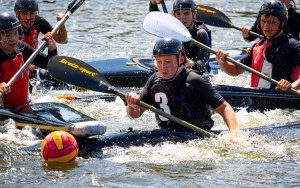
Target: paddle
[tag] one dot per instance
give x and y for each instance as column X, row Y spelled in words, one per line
column 81, row 74
column 164, row 6
column 165, row 25
column 88, row 98
column 74, row 97
column 214, row 17
column 70, row 9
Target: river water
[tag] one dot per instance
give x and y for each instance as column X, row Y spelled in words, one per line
column 101, row 28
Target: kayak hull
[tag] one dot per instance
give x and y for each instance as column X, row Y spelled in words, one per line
column 126, row 71
column 141, row 138
column 130, row 71
column 136, row 138
column 258, row 99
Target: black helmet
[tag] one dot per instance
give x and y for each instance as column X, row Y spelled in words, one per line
column 8, row 22
column 26, row 5
column 168, row 46
column 184, row 4
column 275, row 8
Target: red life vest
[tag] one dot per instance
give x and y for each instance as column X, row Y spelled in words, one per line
column 19, row 90
column 258, row 58
column 32, row 38
column 296, row 73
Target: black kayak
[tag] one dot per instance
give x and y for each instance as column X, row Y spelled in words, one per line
column 130, row 137
column 127, row 71
column 52, row 116
column 91, row 134
column 131, row 71
column 140, row 138
column 258, row 99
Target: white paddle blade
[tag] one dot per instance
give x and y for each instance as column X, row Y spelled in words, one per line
column 164, row 25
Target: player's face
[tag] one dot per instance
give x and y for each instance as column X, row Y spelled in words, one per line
column 27, row 18
column 186, row 16
column 167, row 66
column 9, row 39
column 269, row 25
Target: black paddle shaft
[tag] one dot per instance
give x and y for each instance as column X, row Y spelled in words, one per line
column 214, row 17
column 164, row 6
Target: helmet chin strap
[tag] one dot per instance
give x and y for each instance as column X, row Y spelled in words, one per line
column 190, row 27
column 179, row 65
column 276, row 34
column 7, row 52
column 11, row 53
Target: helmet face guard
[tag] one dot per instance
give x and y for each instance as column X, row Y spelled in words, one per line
column 26, row 5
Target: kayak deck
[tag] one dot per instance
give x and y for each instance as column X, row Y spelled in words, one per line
column 127, row 71
column 52, row 116
column 140, row 138
column 258, row 99
column 136, row 138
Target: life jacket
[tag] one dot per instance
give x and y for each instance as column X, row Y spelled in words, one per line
column 19, row 90
column 170, row 97
column 260, row 63
column 296, row 73
column 201, row 25
column 31, row 37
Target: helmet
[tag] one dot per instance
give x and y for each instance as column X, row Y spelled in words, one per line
column 168, row 46
column 184, row 4
column 8, row 22
column 275, row 8
column 26, row 5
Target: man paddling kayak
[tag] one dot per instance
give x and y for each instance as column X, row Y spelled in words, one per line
column 185, row 11
column 180, row 92
column 276, row 55
column 292, row 27
column 27, row 11
column 13, row 54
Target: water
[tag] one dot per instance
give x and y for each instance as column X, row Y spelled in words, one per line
column 100, row 28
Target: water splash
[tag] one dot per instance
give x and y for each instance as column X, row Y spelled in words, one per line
column 252, row 147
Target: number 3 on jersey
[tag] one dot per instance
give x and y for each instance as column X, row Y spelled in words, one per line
column 162, row 99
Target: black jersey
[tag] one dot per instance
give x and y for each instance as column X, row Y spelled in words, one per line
column 200, row 56
column 293, row 24
column 189, row 97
